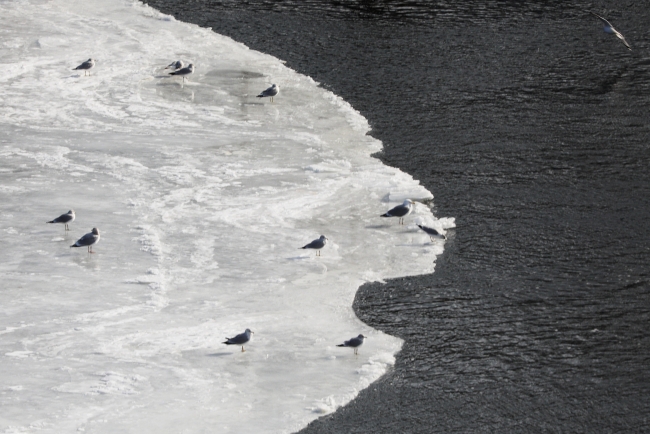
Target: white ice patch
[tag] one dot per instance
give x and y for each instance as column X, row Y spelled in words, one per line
column 203, row 195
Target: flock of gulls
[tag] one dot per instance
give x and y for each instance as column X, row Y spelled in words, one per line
column 401, row 211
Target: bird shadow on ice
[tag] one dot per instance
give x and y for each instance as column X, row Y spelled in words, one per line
column 219, row 354
column 299, row 258
column 378, row 226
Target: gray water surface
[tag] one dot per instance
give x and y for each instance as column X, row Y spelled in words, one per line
column 532, row 127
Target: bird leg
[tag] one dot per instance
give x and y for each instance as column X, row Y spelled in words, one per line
column 242, row 349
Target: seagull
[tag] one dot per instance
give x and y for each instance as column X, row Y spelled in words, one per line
column 317, row 244
column 432, row 233
column 271, row 91
column 175, row 65
column 65, row 219
column 608, row 28
column 400, row 211
column 354, row 343
column 88, row 240
column 189, row 69
column 87, row 65
column 240, row 339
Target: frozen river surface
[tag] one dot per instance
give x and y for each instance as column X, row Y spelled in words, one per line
column 202, row 195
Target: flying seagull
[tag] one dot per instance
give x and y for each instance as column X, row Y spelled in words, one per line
column 271, row 91
column 608, row 28
column 432, row 233
column 400, row 211
column 240, row 339
column 88, row 240
column 175, row 65
column 189, row 69
column 317, row 244
column 354, row 343
column 65, row 219
column 86, row 66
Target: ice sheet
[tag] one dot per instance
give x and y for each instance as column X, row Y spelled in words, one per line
column 203, row 195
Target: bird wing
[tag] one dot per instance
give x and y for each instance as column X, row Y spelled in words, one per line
column 63, row 218
column 316, row 244
column 86, row 240
column 185, row 70
column 84, row 65
column 239, row 339
column 602, row 19
column 354, row 342
column 269, row 92
column 620, row 36
column 398, row 211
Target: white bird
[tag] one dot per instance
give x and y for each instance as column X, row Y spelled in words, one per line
column 88, row 240
column 86, row 66
column 240, row 339
column 317, row 244
column 175, row 65
column 271, row 91
column 64, row 218
column 608, row 28
column 400, row 211
column 354, row 343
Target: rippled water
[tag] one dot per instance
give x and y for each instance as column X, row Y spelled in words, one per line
column 532, row 127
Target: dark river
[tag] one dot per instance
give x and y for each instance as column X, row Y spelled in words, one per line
column 531, row 126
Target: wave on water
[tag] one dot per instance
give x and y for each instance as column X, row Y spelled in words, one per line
column 203, row 195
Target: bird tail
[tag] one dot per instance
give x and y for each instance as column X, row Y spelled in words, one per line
column 385, row 215
column 50, row 221
column 74, row 245
column 341, row 345
column 260, row 96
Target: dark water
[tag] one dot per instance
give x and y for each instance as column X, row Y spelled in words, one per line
column 532, row 127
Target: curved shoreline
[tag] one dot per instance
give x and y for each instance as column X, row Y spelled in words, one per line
column 533, row 319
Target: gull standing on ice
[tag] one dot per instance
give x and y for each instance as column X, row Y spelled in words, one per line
column 65, row 219
column 271, row 91
column 608, row 28
column 175, row 65
column 189, row 69
column 432, row 233
column 240, row 339
column 354, row 343
column 86, row 66
column 88, row 240
column 317, row 244
column 400, row 211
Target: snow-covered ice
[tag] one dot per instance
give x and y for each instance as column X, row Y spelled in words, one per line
column 203, row 196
